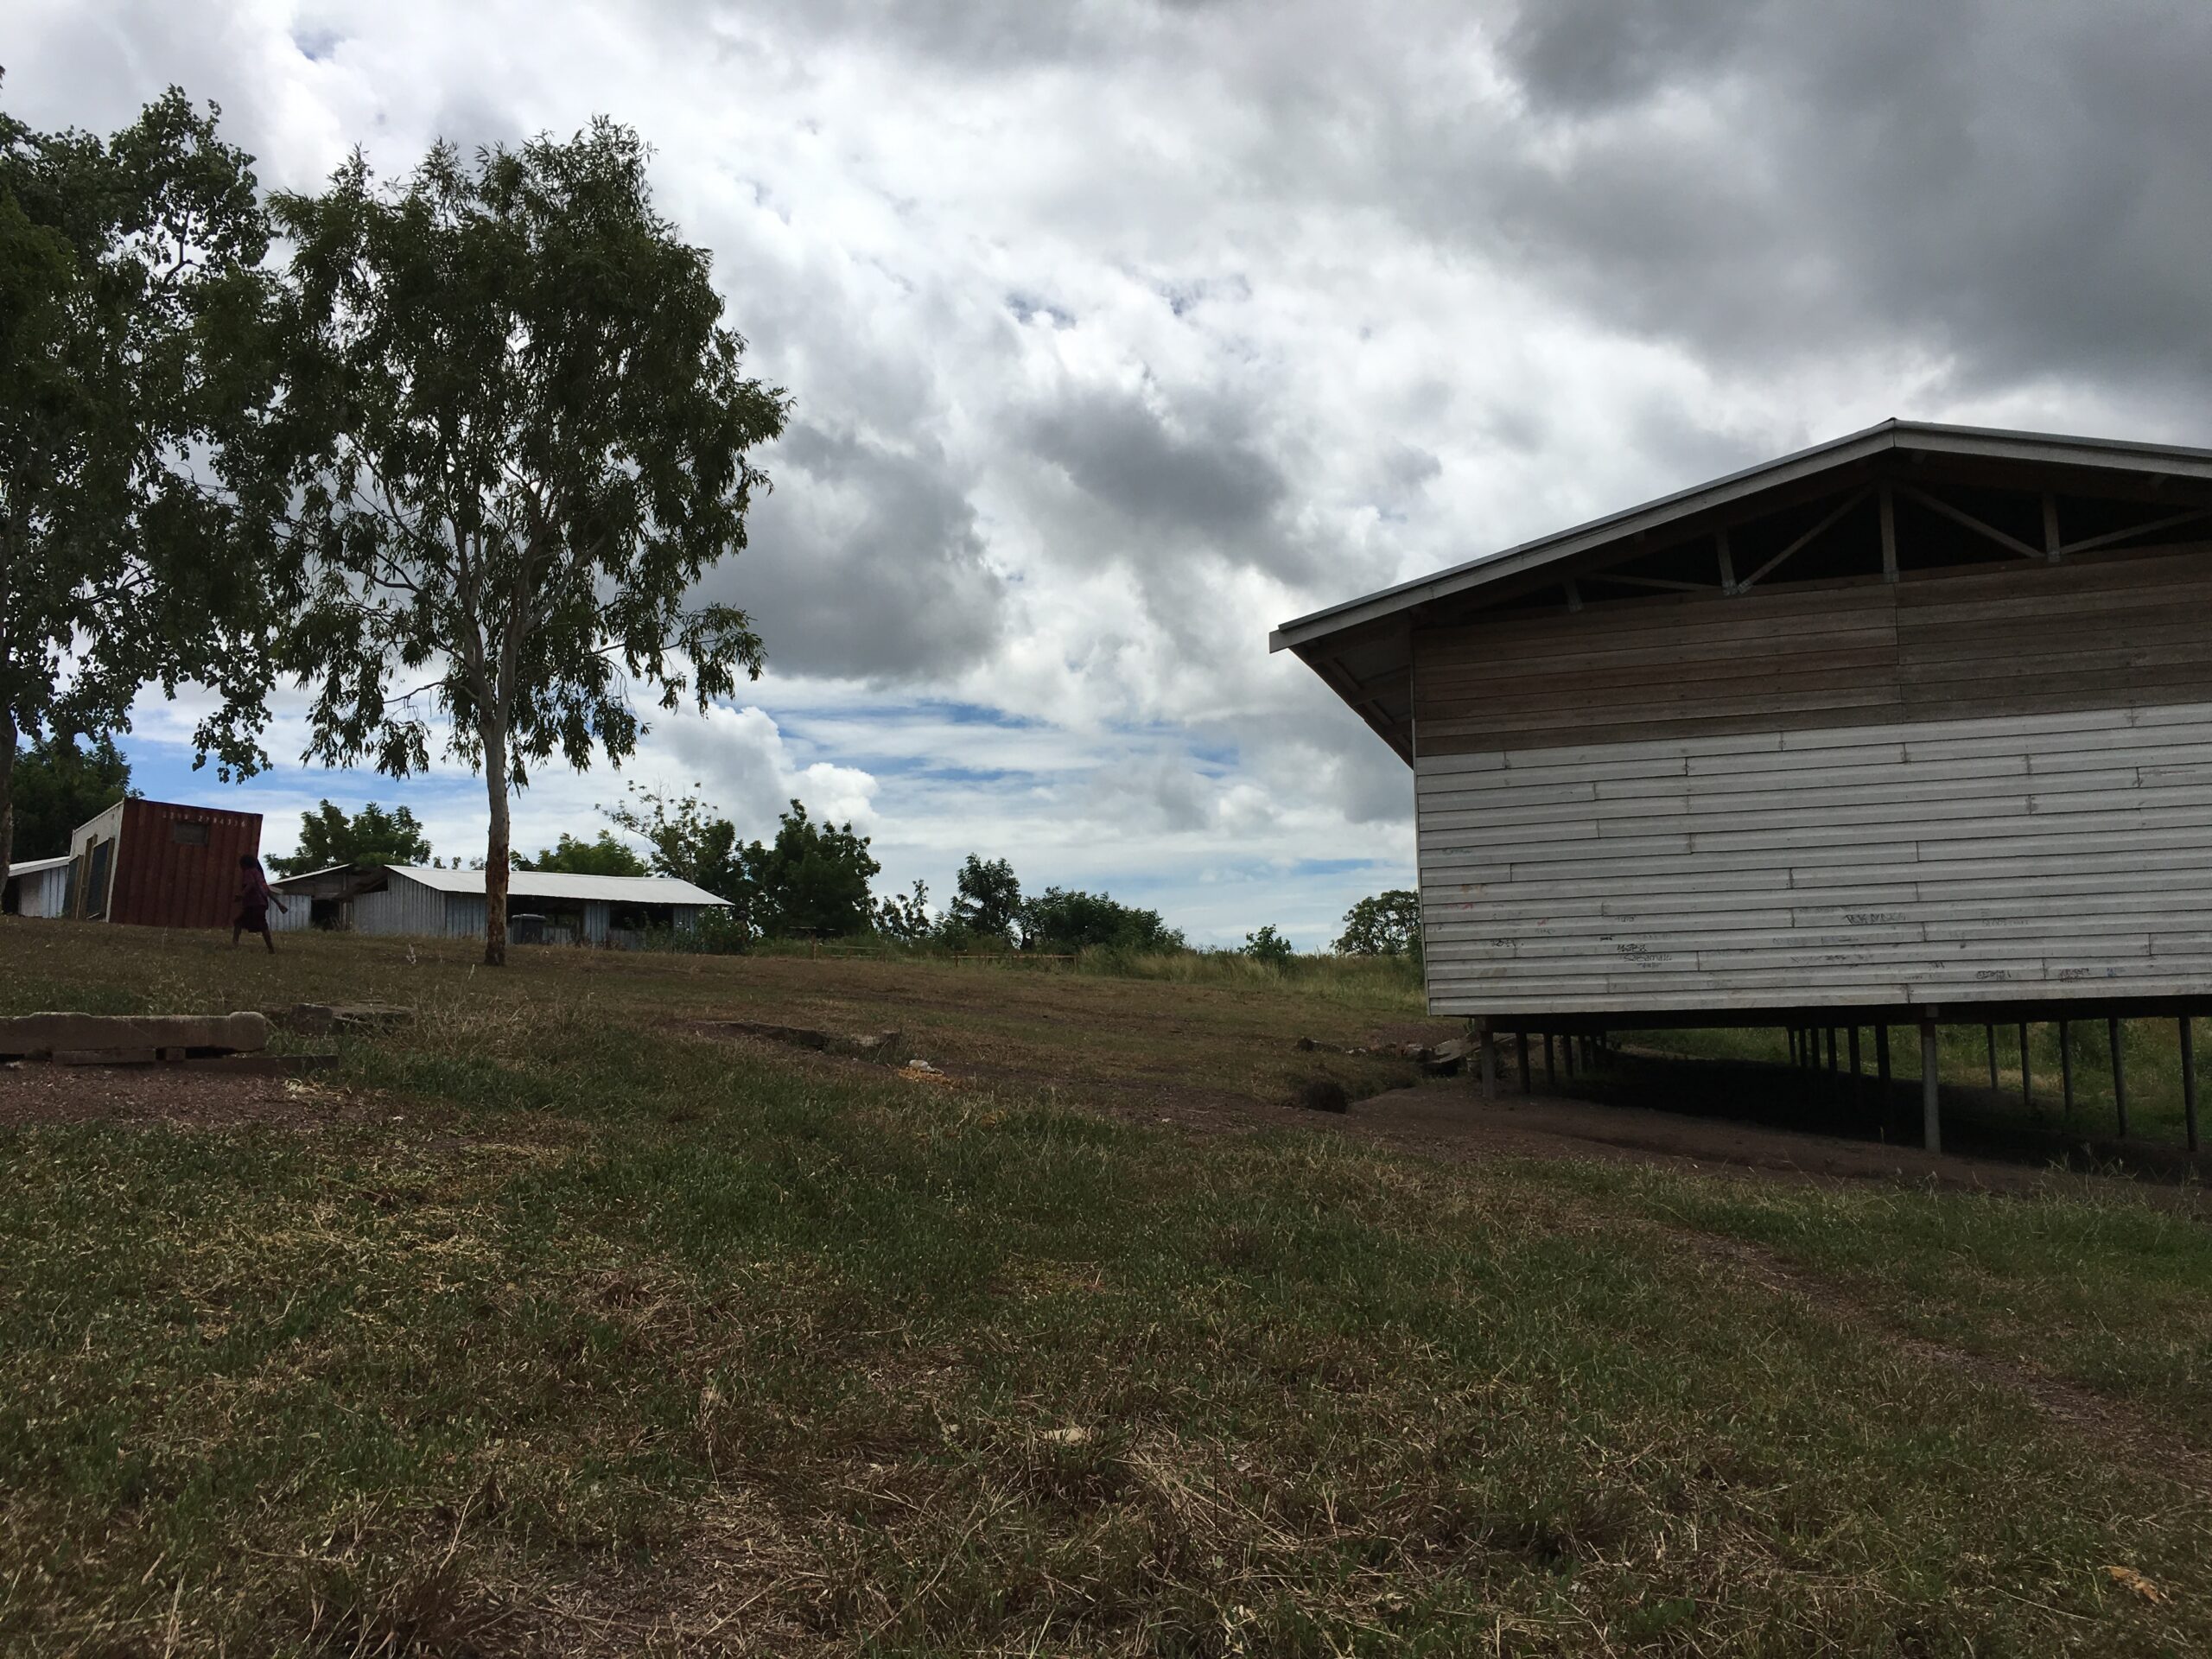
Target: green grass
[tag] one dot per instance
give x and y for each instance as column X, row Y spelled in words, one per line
column 578, row 1331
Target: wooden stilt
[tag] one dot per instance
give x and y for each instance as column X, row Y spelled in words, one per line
column 1490, row 1065
column 1882, row 1056
column 2117, row 1040
column 2027, row 1073
column 1854, row 1056
column 1521, row 1047
column 1931, row 1116
column 1551, row 1061
column 2066, row 1070
column 1992, row 1033
column 2188, row 1081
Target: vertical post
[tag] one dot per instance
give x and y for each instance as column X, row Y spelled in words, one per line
column 1727, row 563
column 2188, row 1081
column 1789, row 1040
column 2119, row 1074
column 1889, row 533
column 1931, row 1117
column 1521, row 1046
column 1855, row 1057
column 1881, row 1058
column 2066, row 1070
column 1991, row 1032
column 1569, row 1044
column 2027, row 1074
column 1551, row 1061
column 2051, row 542
column 1490, row 1065
column 1834, row 1065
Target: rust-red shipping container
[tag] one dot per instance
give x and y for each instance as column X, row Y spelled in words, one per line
column 161, row 864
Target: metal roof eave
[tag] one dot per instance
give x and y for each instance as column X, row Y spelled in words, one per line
column 1982, row 442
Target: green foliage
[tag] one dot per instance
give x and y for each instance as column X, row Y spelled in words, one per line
column 690, row 840
column 329, row 836
column 988, row 904
column 1269, row 946
column 59, row 785
column 812, row 879
column 530, row 437
column 1388, row 925
column 136, row 505
column 571, row 856
column 905, row 919
column 1059, row 920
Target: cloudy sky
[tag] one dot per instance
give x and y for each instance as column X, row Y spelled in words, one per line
column 1122, row 331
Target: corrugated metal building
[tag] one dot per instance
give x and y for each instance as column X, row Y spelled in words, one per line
column 160, row 864
column 38, row 887
column 1917, row 723
column 424, row 902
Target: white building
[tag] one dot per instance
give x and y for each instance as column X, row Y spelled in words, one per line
column 425, row 902
column 39, row 887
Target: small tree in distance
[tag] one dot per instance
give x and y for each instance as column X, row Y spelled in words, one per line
column 905, row 917
column 987, row 901
column 329, row 836
column 690, row 840
column 1269, row 946
column 528, row 437
column 572, row 856
column 1388, row 925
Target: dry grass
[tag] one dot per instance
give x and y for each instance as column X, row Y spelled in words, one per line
column 601, row 1336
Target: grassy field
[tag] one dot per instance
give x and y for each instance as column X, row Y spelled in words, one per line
column 555, row 1323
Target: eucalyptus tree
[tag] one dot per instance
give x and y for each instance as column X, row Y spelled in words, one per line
column 139, row 493
column 536, row 432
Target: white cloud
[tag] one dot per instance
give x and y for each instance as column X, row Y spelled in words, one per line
column 1121, row 330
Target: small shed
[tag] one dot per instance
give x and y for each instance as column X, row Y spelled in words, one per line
column 160, row 864
column 38, row 887
column 543, row 907
column 1914, row 725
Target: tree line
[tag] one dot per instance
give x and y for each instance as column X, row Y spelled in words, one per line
column 450, row 453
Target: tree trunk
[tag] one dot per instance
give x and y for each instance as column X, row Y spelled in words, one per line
column 496, row 859
column 8, row 735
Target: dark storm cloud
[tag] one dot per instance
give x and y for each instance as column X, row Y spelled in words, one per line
column 865, row 564
column 2020, row 186
column 1196, row 476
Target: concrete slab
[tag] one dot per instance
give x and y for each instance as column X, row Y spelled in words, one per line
column 37, row 1036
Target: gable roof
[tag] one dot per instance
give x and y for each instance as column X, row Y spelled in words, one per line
column 1364, row 643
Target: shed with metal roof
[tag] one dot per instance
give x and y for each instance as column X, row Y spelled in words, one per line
column 426, row 901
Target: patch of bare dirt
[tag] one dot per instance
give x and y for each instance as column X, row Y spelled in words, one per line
column 34, row 1095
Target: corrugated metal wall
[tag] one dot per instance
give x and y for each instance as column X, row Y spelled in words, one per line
column 2051, row 854
column 407, row 907
column 45, row 893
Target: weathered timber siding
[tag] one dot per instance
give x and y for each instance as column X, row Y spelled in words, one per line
column 2043, row 854
column 2104, row 632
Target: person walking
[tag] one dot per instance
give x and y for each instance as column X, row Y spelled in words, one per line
column 254, row 899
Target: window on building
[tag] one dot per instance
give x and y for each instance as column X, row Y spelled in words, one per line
column 188, row 835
